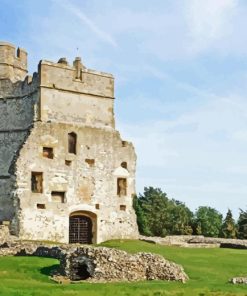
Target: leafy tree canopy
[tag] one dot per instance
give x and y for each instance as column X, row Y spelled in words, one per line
column 208, row 220
column 228, row 228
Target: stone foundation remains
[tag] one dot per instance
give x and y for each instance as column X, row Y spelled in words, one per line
column 99, row 264
column 196, row 241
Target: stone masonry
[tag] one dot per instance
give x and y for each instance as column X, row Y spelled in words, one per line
column 65, row 173
column 99, row 264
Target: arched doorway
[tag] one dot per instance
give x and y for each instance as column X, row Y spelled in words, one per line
column 80, row 229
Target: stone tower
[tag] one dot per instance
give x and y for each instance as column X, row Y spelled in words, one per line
column 65, row 173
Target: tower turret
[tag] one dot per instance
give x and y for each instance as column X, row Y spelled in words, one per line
column 13, row 63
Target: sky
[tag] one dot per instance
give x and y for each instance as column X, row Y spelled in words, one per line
column 180, row 70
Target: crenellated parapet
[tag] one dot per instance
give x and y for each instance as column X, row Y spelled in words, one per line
column 76, row 78
column 13, row 62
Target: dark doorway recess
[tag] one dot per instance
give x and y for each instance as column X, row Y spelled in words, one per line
column 80, row 229
column 81, row 268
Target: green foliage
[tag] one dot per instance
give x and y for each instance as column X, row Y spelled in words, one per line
column 209, row 271
column 228, row 228
column 208, row 221
column 159, row 216
column 181, row 219
column 141, row 219
column 242, row 225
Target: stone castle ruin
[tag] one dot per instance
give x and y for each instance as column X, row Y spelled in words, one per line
column 65, row 173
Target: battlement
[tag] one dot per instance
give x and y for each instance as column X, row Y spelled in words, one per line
column 13, row 62
column 73, row 93
column 76, row 78
column 65, row 93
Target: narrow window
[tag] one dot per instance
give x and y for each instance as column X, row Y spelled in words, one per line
column 72, row 143
column 37, row 182
column 97, row 206
column 58, row 196
column 122, row 207
column 41, row 206
column 124, row 165
column 121, row 186
column 48, row 152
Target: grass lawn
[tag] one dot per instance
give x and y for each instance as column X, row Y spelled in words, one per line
column 208, row 269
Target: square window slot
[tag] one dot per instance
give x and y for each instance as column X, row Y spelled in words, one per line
column 58, row 196
column 48, row 152
column 122, row 207
column 90, row 162
column 68, row 162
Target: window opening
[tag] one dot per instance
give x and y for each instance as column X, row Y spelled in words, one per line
column 48, row 152
column 37, row 182
column 124, row 165
column 72, row 139
column 90, row 162
column 121, row 186
column 58, row 196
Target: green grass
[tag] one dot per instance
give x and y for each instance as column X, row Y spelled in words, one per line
column 209, row 271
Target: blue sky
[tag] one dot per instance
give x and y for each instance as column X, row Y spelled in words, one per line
column 180, row 70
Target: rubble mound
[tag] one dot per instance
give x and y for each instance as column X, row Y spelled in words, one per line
column 100, row 264
column 107, row 264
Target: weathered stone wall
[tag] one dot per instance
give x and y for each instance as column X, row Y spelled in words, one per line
column 85, row 186
column 4, row 234
column 88, row 100
column 18, row 108
column 39, row 112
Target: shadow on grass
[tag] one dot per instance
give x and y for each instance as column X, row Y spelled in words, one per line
column 48, row 270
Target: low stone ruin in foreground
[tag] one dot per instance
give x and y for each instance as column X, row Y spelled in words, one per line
column 99, row 264
column 196, row 241
column 239, row 280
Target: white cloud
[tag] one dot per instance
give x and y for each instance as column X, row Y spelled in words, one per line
column 208, row 21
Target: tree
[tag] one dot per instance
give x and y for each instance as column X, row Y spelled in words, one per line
column 140, row 217
column 159, row 216
column 208, row 220
column 228, row 228
column 242, row 225
column 181, row 219
column 155, row 207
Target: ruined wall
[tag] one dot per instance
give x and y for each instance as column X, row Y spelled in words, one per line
column 36, row 115
column 99, row 264
column 88, row 187
column 18, row 105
